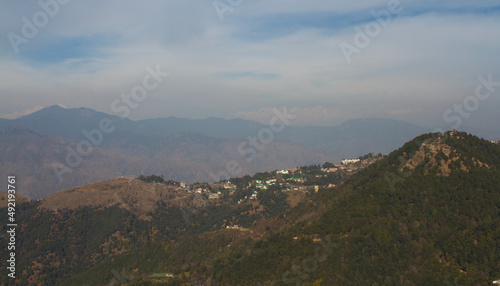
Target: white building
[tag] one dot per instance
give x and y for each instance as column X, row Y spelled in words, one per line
column 213, row 196
column 349, row 161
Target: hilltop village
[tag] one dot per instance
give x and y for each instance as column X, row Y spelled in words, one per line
column 305, row 179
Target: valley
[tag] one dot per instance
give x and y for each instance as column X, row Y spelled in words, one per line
column 57, row 148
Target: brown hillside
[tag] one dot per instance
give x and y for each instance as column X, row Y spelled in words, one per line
column 36, row 160
column 4, row 199
column 133, row 195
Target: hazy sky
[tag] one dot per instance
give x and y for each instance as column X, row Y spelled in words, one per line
column 240, row 58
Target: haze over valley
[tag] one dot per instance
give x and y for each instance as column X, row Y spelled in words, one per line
column 237, row 142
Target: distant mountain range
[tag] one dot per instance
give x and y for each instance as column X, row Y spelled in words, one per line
column 352, row 138
column 46, row 143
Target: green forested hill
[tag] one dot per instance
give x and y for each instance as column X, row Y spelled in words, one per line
column 394, row 225
column 426, row 214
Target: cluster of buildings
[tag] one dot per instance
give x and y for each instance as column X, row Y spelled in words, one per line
column 350, row 161
column 332, row 169
column 295, row 179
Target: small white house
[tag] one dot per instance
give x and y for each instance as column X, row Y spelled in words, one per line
column 213, row 196
column 349, row 161
column 254, row 195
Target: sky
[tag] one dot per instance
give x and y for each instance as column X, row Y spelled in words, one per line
column 325, row 61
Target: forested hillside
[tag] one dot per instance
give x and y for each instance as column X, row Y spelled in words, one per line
column 393, row 225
